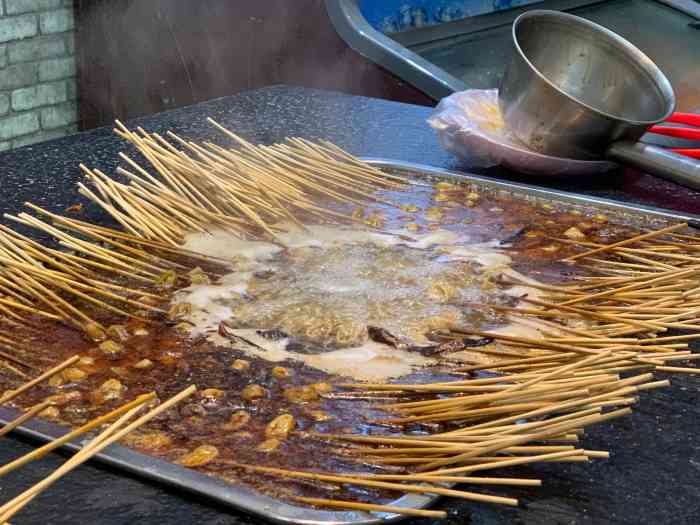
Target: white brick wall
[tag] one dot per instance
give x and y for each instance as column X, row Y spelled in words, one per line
column 37, row 71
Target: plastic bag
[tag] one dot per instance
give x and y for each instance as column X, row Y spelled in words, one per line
column 469, row 125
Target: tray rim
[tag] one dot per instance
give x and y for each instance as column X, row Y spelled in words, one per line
column 243, row 499
column 237, row 497
column 534, row 190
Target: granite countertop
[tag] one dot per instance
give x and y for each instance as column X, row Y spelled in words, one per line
column 653, row 475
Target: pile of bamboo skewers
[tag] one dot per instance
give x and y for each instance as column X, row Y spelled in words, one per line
column 606, row 338
column 125, row 422
column 603, row 336
column 251, row 191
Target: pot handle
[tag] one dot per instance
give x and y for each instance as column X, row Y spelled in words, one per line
column 657, row 161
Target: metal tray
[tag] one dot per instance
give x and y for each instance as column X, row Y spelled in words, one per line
column 246, row 500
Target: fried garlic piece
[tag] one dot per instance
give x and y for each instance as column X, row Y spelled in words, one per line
column 574, row 233
column 269, row 445
column 212, row 394
column 86, row 361
column 64, row 398
column 375, row 220
column 303, row 394
column 280, row 427
column 252, row 392
column 111, row 349
column 152, row 441
column 57, row 380
column 281, row 372
column 240, row 364
column 95, row 332
column 109, row 390
column 445, row 186
column 551, row 248
column 320, row 416
column 238, row 420
column 143, row 364
column 118, row 332
column 434, row 214
column 199, row 456
column 50, row 413
column 74, row 374
column 322, row 388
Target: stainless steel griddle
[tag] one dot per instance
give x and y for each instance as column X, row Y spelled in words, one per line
column 243, row 499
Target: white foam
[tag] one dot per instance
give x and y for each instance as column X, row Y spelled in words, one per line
column 318, row 235
column 226, row 245
column 341, row 280
column 486, row 254
column 369, row 362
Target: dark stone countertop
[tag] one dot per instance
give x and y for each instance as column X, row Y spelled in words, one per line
column 653, row 475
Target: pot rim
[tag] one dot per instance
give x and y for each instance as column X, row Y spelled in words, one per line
column 657, row 76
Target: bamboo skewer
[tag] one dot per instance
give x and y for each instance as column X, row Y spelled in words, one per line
column 9, row 396
column 91, row 425
column 370, row 507
column 631, row 240
column 416, row 489
column 112, row 434
column 29, row 414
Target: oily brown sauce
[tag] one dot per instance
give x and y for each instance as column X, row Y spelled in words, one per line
column 159, row 356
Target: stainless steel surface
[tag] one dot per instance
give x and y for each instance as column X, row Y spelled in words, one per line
column 689, row 7
column 658, row 161
column 573, row 87
column 472, row 53
column 243, row 499
column 663, row 31
column 479, row 23
column 478, row 50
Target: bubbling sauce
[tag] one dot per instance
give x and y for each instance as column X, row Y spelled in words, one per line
column 326, row 285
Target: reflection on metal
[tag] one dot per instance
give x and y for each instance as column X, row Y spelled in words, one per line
column 689, row 7
column 471, row 52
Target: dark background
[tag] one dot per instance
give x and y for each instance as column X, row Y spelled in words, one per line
column 139, row 57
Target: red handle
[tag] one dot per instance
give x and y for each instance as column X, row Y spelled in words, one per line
column 688, row 152
column 691, row 119
column 683, row 133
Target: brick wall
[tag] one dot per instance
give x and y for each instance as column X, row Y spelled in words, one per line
column 37, row 71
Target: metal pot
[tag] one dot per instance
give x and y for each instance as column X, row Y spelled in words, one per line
column 575, row 89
